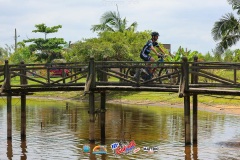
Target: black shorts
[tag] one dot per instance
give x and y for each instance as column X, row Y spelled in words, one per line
column 145, row 57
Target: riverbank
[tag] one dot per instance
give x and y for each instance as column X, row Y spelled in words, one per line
column 219, row 104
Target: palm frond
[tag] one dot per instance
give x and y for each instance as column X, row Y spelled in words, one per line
column 227, row 42
column 227, row 24
column 235, row 5
column 111, row 21
column 133, row 27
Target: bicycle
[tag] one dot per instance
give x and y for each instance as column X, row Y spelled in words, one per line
column 161, row 73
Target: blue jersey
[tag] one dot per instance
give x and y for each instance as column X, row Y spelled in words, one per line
column 147, row 47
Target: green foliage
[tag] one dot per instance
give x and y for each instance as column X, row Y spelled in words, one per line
column 121, row 46
column 208, row 57
column 22, row 54
column 4, row 53
column 46, row 49
column 177, row 57
column 236, row 57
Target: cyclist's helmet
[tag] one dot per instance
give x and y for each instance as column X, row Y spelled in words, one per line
column 154, row 34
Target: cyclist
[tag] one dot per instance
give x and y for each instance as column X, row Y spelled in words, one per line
column 148, row 47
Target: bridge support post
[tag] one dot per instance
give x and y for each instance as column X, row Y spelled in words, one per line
column 187, row 120
column 23, row 81
column 91, row 74
column 195, row 106
column 9, row 99
column 103, row 107
column 103, row 118
column 23, row 117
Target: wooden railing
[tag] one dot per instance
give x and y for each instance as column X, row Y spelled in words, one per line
column 182, row 77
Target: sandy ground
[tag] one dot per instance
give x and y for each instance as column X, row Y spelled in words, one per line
column 223, row 109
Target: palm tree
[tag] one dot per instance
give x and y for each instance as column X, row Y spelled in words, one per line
column 111, row 21
column 227, row 29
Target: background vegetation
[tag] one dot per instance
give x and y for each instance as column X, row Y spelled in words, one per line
column 120, row 42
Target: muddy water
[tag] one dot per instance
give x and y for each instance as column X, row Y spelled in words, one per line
column 57, row 132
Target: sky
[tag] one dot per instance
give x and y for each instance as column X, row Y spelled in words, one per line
column 185, row 23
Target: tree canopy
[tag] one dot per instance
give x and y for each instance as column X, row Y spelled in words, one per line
column 46, row 49
column 114, row 45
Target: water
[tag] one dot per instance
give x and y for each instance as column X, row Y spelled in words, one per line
column 57, row 132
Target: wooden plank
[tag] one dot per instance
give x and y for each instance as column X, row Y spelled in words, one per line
column 211, row 77
column 219, row 91
column 216, row 76
column 32, row 79
column 87, row 85
column 2, row 87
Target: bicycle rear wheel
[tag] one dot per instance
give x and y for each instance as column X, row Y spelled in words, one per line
column 169, row 76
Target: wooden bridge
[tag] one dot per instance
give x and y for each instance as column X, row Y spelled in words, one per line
column 185, row 78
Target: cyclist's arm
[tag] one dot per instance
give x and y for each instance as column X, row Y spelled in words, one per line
column 154, row 50
column 161, row 50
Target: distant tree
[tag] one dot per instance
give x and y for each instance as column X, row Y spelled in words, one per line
column 228, row 56
column 227, row 29
column 208, row 57
column 45, row 48
column 22, row 54
column 236, row 57
column 112, row 21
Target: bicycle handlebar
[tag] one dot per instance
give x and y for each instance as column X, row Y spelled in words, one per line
column 161, row 56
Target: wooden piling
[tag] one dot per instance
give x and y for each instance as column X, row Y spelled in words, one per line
column 23, row 81
column 91, row 77
column 195, row 106
column 103, row 118
column 23, row 117
column 9, row 99
column 103, row 107
column 185, row 72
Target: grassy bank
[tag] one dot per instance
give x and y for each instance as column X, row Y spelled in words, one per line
column 144, row 97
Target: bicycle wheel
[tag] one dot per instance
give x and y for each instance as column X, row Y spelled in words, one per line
column 130, row 73
column 169, row 76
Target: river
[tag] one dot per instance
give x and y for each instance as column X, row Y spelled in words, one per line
column 59, row 131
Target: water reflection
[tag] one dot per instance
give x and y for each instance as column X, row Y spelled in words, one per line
column 24, row 150
column 9, row 149
column 59, row 131
column 191, row 152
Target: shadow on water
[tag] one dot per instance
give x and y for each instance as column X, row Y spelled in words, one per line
column 230, row 144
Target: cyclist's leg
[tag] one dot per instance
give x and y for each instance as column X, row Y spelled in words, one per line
column 149, row 66
column 144, row 57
